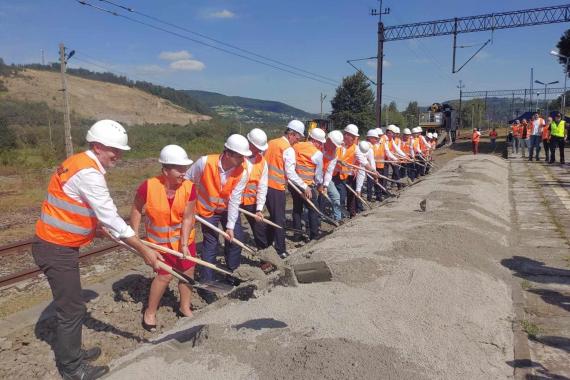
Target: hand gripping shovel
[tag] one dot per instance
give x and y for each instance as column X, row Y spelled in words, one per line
column 210, row 286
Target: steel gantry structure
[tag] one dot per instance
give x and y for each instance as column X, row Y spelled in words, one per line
column 460, row 25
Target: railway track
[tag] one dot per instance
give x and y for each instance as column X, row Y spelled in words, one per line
column 34, row 271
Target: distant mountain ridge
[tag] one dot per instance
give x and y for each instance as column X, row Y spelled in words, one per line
column 248, row 110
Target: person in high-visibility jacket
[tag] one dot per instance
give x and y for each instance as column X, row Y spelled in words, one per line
column 558, row 133
column 309, row 166
column 332, row 150
column 378, row 153
column 281, row 164
column 407, row 146
column 419, row 164
column 77, row 202
column 393, row 144
column 545, row 137
column 516, row 129
column 346, row 175
column 255, row 192
column 221, row 180
column 169, row 202
column 476, row 136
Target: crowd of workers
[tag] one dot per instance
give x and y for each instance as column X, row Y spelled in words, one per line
column 331, row 170
column 527, row 136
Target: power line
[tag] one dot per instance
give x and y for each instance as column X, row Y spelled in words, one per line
column 83, row 2
column 215, row 40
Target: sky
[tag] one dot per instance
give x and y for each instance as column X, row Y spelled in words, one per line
column 318, row 36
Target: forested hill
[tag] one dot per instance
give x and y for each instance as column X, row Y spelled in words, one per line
column 247, row 109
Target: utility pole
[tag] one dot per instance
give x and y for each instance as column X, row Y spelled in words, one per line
column 66, row 117
column 323, row 97
column 460, row 87
column 380, row 60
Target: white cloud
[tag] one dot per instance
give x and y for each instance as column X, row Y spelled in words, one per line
column 222, row 14
column 174, row 55
column 187, row 65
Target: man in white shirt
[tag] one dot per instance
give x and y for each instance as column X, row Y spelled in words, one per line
column 77, row 202
column 536, row 125
column 220, row 181
column 281, row 164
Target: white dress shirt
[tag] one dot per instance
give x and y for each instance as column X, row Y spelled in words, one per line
column 289, row 162
column 329, row 170
column 388, row 153
column 317, row 159
column 261, row 192
column 195, row 172
column 89, row 186
column 370, row 160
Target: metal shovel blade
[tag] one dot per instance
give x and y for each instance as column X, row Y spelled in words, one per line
column 317, row 271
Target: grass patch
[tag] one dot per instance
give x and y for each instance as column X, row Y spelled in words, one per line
column 530, row 328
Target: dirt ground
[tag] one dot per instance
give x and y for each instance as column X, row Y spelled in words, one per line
column 319, row 345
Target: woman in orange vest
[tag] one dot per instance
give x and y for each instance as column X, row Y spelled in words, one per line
column 546, row 138
column 169, row 201
column 475, row 140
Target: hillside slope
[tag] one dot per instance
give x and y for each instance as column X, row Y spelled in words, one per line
column 248, row 110
column 96, row 100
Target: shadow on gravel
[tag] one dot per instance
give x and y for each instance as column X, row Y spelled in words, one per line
column 542, row 372
column 526, row 268
column 553, row 297
column 260, row 324
column 562, row 343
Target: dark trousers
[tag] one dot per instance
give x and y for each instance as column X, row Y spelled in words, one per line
column 556, row 142
column 210, row 243
column 372, row 189
column 396, row 173
column 258, row 228
column 410, row 170
column 546, row 146
column 275, row 203
column 298, row 207
column 61, row 266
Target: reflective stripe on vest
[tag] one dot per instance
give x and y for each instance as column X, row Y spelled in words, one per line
column 557, row 130
column 276, row 178
column 249, row 195
column 378, row 155
column 305, row 167
column 349, row 157
column 212, row 196
column 164, row 222
column 63, row 220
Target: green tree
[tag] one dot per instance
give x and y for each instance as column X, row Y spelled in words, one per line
column 391, row 115
column 354, row 103
column 7, row 136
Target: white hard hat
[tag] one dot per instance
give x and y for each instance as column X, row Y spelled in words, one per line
column 174, row 155
column 297, row 126
column 392, row 128
column 318, row 134
column 239, row 144
column 352, row 129
column 380, row 132
column 336, row 137
column 429, row 135
column 407, row 131
column 364, row 146
column 372, row 133
column 109, row 133
column 416, row 130
column 435, row 135
column 420, row 129
column 396, row 129
column 258, row 138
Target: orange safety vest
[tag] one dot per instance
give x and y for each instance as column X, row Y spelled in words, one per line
column 305, row 167
column 406, row 146
column 349, row 157
column 330, row 155
column 63, row 220
column 164, row 223
column 546, row 132
column 276, row 178
column 476, row 137
column 212, row 196
column 416, row 144
column 379, row 154
column 517, row 130
column 249, row 196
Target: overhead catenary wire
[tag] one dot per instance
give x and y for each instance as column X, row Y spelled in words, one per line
column 129, row 9
column 159, row 28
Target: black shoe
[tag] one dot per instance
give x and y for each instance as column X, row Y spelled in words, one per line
column 91, row 354
column 146, row 326
column 86, row 372
column 283, row 255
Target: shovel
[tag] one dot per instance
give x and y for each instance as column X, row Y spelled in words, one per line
column 224, row 234
column 358, row 196
column 312, row 205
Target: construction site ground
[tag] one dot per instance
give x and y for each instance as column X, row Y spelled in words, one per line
column 475, row 287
